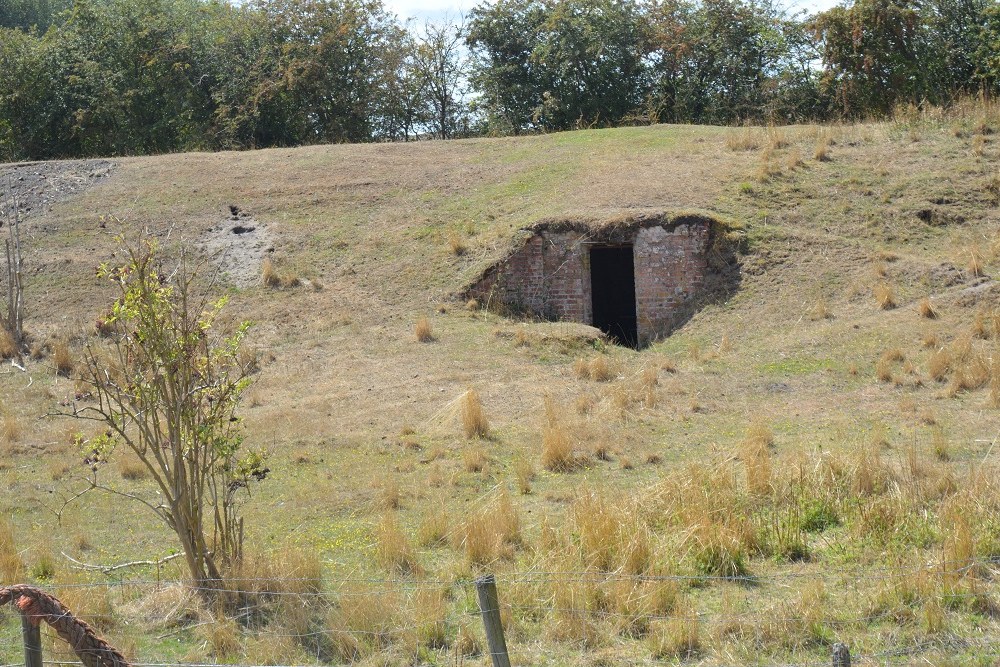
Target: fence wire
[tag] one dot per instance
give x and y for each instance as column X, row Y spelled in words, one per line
column 534, row 596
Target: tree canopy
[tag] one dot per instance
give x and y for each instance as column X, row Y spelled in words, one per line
column 120, row 77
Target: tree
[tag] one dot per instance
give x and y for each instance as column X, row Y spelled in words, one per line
column 502, row 37
column 591, row 57
column 166, row 387
column 870, row 55
column 31, row 14
column 439, row 64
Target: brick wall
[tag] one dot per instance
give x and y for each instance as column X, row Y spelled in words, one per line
column 550, row 275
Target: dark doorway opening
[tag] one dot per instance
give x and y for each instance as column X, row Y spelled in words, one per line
column 612, row 285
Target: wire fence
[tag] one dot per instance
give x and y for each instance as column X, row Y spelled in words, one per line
column 892, row 615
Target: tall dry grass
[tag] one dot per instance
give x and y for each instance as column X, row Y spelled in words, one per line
column 392, row 548
column 474, row 421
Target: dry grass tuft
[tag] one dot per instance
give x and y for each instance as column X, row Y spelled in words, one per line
column 8, row 346
column 393, row 550
column 490, row 533
column 939, row 364
column 521, row 337
column 434, row 526
column 794, row 160
column 597, row 369
column 11, row 427
column 11, row 566
column 131, row 468
column 474, row 422
column 269, row 275
column 940, row 445
column 820, row 311
column 926, row 309
column 745, row 139
column 474, row 459
column 389, row 495
column 524, row 471
column 675, row 639
column 422, row 330
column 976, row 262
column 821, row 152
column 767, row 168
column 557, row 449
column 62, row 358
column 885, row 296
column 366, row 620
column 456, row 245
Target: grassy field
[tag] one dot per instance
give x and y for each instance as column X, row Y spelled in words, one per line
column 810, row 461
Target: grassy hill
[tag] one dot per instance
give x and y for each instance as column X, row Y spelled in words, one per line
column 819, row 430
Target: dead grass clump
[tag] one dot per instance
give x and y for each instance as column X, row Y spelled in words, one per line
column 393, row 550
column 11, row 427
column 929, row 339
column 474, row 422
column 434, row 526
column 757, row 462
column 926, row 309
column 367, row 619
column 490, row 533
column 597, row 369
column 760, row 433
column 8, row 346
column 389, row 496
column 986, row 324
column 474, row 459
column 940, row 445
column 456, row 245
column 293, row 570
column 422, row 330
column 472, row 305
column 557, row 449
column 745, row 139
column 62, row 358
column 767, row 168
column 821, row 152
column 885, row 296
column 131, row 468
column 939, row 364
column 269, row 275
column 794, row 160
column 776, row 138
column 11, row 566
column 430, row 606
column 524, row 471
column 820, row 311
column 675, row 639
column 976, row 262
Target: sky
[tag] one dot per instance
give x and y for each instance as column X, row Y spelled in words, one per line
column 437, row 10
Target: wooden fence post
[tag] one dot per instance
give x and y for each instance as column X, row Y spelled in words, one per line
column 32, row 642
column 489, row 605
column 841, row 655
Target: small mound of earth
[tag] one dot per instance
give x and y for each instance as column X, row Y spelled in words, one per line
column 567, row 335
column 36, row 186
column 237, row 247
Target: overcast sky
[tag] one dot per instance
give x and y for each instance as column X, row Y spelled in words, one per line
column 435, row 10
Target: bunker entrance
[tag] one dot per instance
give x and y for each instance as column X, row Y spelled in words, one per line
column 612, row 285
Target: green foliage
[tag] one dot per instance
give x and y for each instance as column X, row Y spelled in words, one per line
column 168, row 387
column 117, row 77
column 818, row 514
